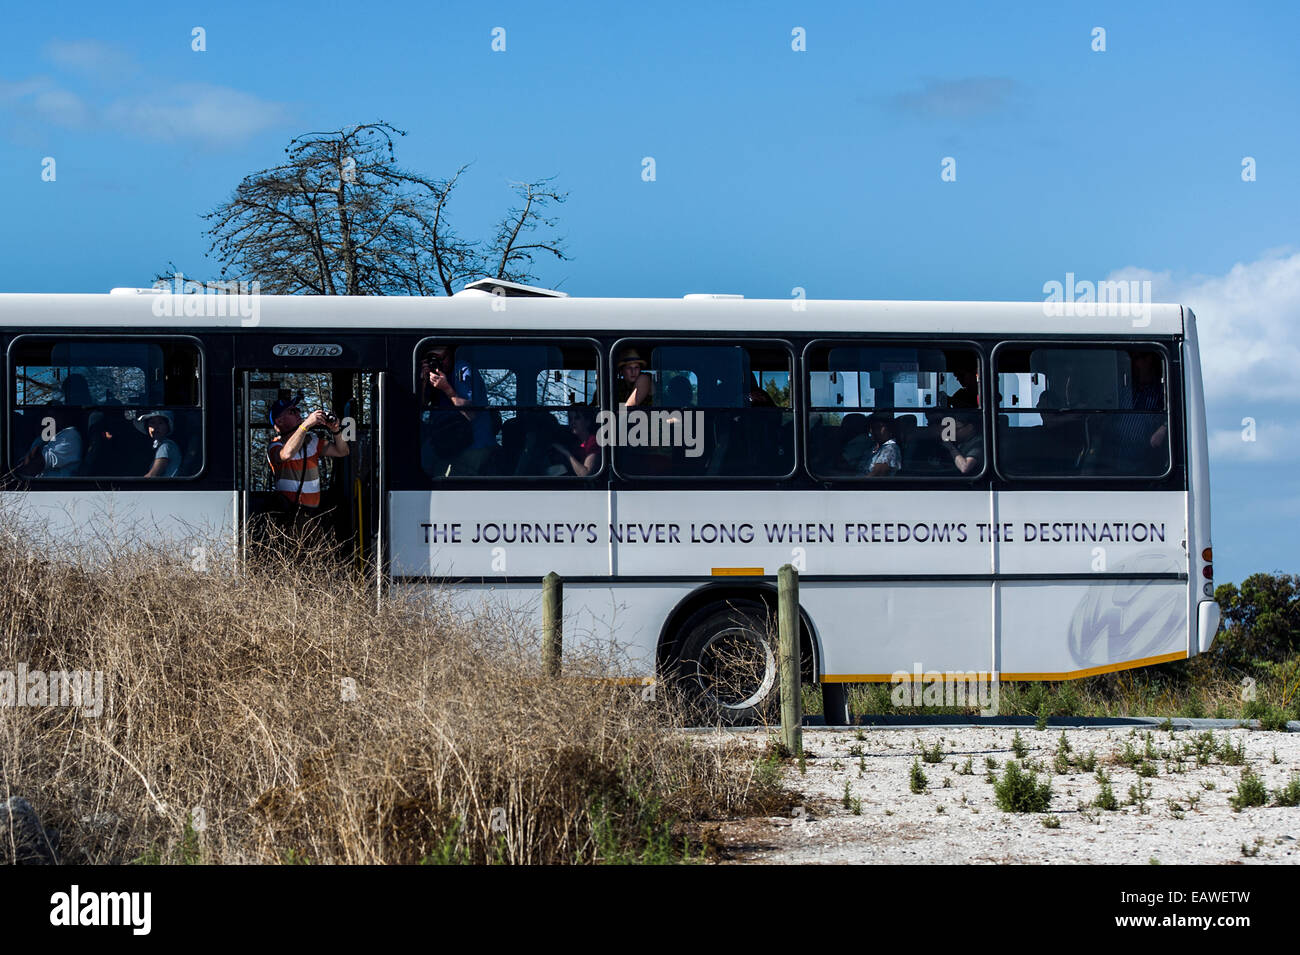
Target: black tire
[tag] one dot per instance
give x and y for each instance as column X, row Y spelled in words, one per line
column 726, row 665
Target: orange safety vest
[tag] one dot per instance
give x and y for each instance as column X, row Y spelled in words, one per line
column 298, row 479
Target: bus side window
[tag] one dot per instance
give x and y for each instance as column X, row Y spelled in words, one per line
column 894, row 410
column 712, row 410
column 496, row 410
column 1082, row 411
column 84, row 408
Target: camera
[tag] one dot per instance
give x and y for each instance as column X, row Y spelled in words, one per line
column 328, row 420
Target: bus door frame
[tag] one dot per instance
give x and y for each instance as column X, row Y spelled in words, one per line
column 364, row 356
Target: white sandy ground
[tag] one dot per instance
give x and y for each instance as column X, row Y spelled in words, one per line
column 897, row 826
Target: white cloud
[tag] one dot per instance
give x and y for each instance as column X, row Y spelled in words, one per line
column 1271, row 442
column 1248, row 322
column 194, row 112
column 12, row 92
column 90, row 93
column 212, row 115
column 43, row 97
column 62, row 107
column 90, row 57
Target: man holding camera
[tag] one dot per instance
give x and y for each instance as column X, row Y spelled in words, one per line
column 458, row 434
column 294, row 454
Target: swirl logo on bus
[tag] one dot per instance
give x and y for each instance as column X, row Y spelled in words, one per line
column 307, row 351
column 1130, row 619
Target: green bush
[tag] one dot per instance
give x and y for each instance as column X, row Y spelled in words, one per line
column 1020, row 791
column 918, row 780
column 1106, row 798
column 1035, row 698
column 1288, row 795
column 1018, row 746
column 1232, row 755
column 1261, row 620
column 1273, row 718
column 1250, row 791
column 1069, row 702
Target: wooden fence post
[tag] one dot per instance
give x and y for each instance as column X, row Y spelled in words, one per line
column 787, row 592
column 552, row 614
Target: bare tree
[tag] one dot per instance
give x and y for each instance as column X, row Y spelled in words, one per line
column 341, row 217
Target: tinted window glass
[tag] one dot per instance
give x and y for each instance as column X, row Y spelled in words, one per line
column 890, row 410
column 505, row 409
column 97, row 408
column 688, row 410
column 1082, row 411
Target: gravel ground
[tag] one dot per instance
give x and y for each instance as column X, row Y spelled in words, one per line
column 1187, row 816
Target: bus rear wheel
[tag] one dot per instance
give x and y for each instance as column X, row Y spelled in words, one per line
column 726, row 667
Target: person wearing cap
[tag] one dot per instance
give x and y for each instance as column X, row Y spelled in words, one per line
column 166, row 452
column 294, row 452
column 453, row 393
column 633, row 387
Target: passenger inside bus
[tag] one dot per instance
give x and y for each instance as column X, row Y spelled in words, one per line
column 512, row 399
column 1082, row 411
column 458, row 437
column 115, row 448
column 967, row 451
column 966, row 371
column 883, row 458
column 96, row 389
column 61, row 455
column 166, row 452
column 76, row 392
column 1140, row 438
column 586, row 460
column 677, row 393
column 634, row 386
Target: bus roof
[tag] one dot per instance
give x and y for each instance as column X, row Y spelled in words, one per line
column 490, row 313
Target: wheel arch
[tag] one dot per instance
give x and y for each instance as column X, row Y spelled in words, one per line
column 719, row 593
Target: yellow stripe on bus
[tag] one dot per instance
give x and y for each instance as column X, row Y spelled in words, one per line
column 959, row 675
column 737, row 571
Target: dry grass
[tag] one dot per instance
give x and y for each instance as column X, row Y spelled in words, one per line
column 226, row 707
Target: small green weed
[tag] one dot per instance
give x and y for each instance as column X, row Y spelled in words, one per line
column 1106, row 798
column 1250, row 791
column 1018, row 746
column 918, row 780
column 1288, row 795
column 1020, row 791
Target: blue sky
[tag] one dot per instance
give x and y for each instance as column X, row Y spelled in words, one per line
column 774, row 168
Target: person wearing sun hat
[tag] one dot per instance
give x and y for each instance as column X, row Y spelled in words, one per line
column 633, row 386
column 166, row 452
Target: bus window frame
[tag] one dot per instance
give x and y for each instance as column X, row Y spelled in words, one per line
column 903, row 481
column 54, row 482
column 464, row 481
column 1174, row 428
column 709, row 341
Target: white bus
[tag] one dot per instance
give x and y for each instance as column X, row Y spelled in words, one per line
column 964, row 487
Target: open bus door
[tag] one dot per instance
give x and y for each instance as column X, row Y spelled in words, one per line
column 351, row 487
